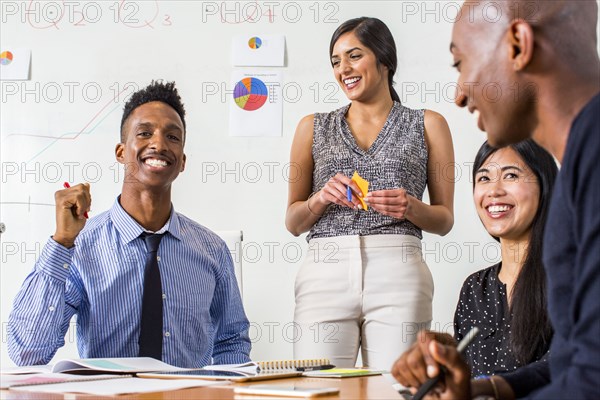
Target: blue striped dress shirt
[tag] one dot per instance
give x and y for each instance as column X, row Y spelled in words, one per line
column 101, row 280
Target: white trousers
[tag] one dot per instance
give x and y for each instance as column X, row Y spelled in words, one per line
column 374, row 292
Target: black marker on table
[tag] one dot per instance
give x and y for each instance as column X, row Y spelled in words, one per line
column 427, row 386
column 315, row 368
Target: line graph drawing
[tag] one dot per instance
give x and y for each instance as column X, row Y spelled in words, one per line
column 27, row 203
column 73, row 135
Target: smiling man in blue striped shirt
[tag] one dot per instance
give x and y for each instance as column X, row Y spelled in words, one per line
column 95, row 269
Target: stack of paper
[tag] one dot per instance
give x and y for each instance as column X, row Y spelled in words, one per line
column 249, row 368
column 89, row 375
column 130, row 365
column 118, row 386
column 14, row 380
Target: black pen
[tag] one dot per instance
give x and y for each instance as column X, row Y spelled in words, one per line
column 427, row 386
column 315, row 368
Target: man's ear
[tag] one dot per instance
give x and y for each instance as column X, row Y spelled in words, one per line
column 520, row 37
column 183, row 163
column 119, row 149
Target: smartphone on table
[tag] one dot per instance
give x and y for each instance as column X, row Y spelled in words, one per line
column 285, row 391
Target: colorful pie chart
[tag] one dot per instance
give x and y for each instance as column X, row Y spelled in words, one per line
column 255, row 42
column 6, row 57
column 250, row 94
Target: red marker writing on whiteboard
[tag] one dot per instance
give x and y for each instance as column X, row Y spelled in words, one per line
column 67, row 186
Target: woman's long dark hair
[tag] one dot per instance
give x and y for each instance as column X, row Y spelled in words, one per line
column 374, row 34
column 531, row 330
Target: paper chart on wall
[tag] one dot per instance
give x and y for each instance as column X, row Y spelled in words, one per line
column 254, row 50
column 256, row 105
column 14, row 64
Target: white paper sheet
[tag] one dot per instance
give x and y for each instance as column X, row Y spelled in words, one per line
column 257, row 50
column 121, row 365
column 31, row 369
column 119, row 386
column 14, row 63
column 7, row 381
column 256, row 104
column 249, row 368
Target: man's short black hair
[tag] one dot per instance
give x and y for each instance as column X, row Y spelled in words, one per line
column 156, row 91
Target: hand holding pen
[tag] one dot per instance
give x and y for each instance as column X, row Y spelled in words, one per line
column 340, row 190
column 419, row 364
column 453, row 371
column 86, row 186
column 72, row 206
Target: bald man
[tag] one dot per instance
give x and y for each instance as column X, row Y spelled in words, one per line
column 543, row 56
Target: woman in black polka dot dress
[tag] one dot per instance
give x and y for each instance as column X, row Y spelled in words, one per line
column 507, row 301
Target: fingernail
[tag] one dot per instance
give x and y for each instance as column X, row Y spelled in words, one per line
column 440, row 349
column 360, row 207
column 430, row 371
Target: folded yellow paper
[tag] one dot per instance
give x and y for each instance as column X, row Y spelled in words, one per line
column 363, row 184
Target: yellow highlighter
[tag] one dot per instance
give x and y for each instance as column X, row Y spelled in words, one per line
column 363, row 185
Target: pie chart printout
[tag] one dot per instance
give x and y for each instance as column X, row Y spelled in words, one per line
column 250, row 94
column 6, row 57
column 255, row 42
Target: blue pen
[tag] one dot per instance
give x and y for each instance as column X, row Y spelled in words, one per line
column 349, row 193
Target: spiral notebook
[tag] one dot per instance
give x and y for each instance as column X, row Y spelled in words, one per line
column 251, row 371
column 254, row 367
column 293, row 365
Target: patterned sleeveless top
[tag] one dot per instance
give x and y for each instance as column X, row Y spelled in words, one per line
column 397, row 159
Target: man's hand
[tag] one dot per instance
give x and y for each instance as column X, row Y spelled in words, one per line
column 417, row 364
column 457, row 378
column 71, row 205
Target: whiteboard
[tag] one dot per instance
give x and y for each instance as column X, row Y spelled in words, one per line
column 88, row 56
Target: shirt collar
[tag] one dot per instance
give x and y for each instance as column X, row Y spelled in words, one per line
column 130, row 229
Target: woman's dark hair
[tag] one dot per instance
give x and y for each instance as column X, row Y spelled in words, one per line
column 374, row 34
column 531, row 330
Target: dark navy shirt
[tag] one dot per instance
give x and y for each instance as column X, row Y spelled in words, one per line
column 572, row 261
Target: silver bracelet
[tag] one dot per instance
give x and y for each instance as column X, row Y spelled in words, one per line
column 494, row 388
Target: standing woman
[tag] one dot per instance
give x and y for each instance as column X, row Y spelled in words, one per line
column 364, row 282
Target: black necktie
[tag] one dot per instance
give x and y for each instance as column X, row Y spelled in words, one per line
column 151, row 335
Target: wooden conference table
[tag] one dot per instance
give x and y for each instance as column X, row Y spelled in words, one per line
column 367, row 387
